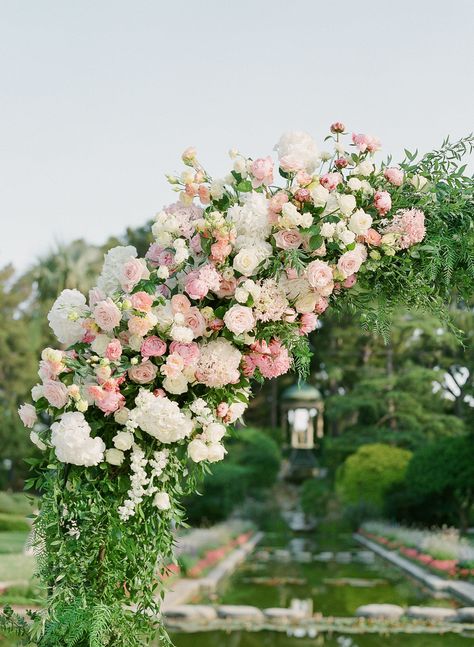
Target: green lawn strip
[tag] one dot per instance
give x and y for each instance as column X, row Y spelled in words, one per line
column 12, row 541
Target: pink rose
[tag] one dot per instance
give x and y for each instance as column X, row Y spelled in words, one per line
column 139, row 326
column 174, row 365
column 222, row 410
column 288, row 238
column 195, row 287
column 319, row 274
column 304, row 178
column 27, row 414
column 142, row 301
column 308, row 323
column 382, row 202
column 113, row 351
column 277, row 201
column 193, row 319
column 372, row 237
column 303, row 195
column 239, row 319
column 189, row 352
column 226, row 288
column 290, row 163
column 330, row 180
column 262, row 171
column 143, row 373
column 349, row 263
column 153, row 347
column 110, row 401
column 180, row 303
column 55, row 393
column 159, row 393
column 321, row 305
column 131, row 273
column 394, row 176
column 350, row 281
column 107, row 315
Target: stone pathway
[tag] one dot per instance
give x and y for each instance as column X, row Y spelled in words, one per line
column 462, row 590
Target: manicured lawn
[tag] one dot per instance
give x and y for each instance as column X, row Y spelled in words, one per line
column 12, row 542
column 15, row 567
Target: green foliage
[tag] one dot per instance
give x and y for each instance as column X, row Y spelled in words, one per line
column 13, row 522
column 315, row 495
column 367, row 475
column 438, row 485
column 16, row 503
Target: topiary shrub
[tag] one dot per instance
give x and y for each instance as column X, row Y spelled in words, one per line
column 315, row 495
column 366, row 476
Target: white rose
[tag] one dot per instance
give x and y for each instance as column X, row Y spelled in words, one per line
column 239, row 319
column 246, row 261
column 236, row 411
column 123, row 440
column 162, row 501
column 345, row 236
column 176, row 385
column 306, row 220
column 241, row 295
column 214, row 432
column 354, row 184
column 320, row 195
column 197, row 450
column 418, row 182
column 216, row 452
column 364, row 168
column 360, row 222
column 114, row 456
column 328, row 229
column 347, row 203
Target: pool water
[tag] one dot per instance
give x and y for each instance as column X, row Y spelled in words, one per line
column 288, row 567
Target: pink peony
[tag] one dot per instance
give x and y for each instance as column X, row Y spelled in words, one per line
column 193, row 319
column 27, row 414
column 319, row 274
column 349, row 263
column 394, row 176
column 153, row 347
column 366, row 143
column 189, row 352
column 308, row 323
column 107, row 315
column 142, row 301
column 290, row 163
column 239, row 319
column 143, row 373
column 110, row 402
column 262, row 171
column 55, row 393
column 410, row 227
column 382, row 202
column 195, row 287
column 304, row 178
column 288, row 239
column 330, row 180
column 277, row 201
column 113, row 351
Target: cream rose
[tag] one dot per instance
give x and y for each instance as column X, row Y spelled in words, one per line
column 239, row 319
column 360, row 222
column 319, row 274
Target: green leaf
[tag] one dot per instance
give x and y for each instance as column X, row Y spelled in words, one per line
column 315, row 241
column 244, row 186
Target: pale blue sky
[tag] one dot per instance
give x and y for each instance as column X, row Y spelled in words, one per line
column 99, row 97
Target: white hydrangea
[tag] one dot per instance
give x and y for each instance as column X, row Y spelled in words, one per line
column 109, row 280
column 73, row 443
column 300, row 145
column 66, row 316
column 160, row 417
column 251, row 219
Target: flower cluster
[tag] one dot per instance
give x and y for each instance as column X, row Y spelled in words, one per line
column 158, row 360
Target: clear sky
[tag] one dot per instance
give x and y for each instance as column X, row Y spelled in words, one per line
column 99, row 97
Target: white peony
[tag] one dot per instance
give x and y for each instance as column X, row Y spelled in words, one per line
column 251, row 219
column 66, row 316
column 198, row 450
column 218, row 363
column 115, row 259
column 354, row 184
column 360, row 222
column 301, row 146
column 160, row 417
column 73, row 443
column 364, row 168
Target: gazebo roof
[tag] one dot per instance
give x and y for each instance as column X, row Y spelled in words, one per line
column 300, row 392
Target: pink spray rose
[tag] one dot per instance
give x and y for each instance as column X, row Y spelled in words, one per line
column 382, row 202
column 321, row 305
column 153, row 347
column 394, row 176
column 262, row 171
column 143, row 373
column 288, row 238
column 350, row 281
column 107, row 315
column 55, row 393
column 113, row 351
column 330, row 180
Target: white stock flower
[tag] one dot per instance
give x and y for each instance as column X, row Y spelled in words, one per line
column 73, row 443
column 66, row 316
column 300, row 145
column 160, row 417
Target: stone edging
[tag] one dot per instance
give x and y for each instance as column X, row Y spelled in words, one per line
column 462, row 590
